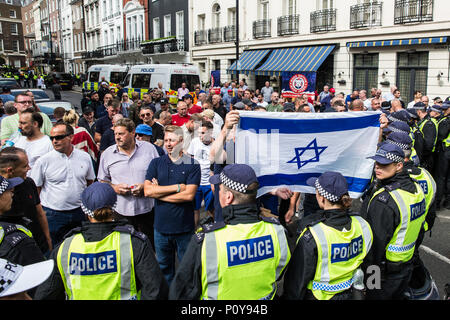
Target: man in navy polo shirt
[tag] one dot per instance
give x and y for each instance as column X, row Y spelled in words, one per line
column 172, row 180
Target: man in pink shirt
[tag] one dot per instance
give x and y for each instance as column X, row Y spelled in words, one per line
column 182, row 116
column 182, row 91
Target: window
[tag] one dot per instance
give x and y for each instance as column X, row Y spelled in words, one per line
column 94, row 76
column 324, row 4
column 15, row 45
column 1, row 31
column 13, row 28
column 167, row 25
column 177, row 79
column 291, row 7
column 201, row 22
column 156, row 29
column 365, row 72
column 141, row 80
column 179, row 24
column 1, row 45
column 412, row 69
column 216, row 16
column 9, row 2
column 117, row 77
column 232, row 16
column 264, row 9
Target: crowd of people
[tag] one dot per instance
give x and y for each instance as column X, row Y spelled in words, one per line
column 132, row 174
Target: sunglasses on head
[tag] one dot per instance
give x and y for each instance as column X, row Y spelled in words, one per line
column 60, row 137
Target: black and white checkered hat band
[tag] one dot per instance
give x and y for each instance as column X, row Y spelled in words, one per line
column 9, row 273
column 393, row 157
column 236, row 186
column 391, row 118
column 397, row 130
column 401, row 145
column 90, row 213
column 324, row 193
column 4, row 186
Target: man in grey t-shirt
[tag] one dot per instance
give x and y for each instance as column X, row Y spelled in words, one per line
column 267, row 91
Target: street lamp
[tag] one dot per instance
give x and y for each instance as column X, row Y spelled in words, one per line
column 237, row 39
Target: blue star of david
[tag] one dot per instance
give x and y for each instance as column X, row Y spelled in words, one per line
column 300, row 151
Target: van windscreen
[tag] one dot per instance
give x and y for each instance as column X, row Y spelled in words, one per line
column 141, row 80
column 177, row 79
column 117, row 77
column 93, row 76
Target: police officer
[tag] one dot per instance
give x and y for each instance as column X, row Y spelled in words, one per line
column 428, row 127
column 315, row 271
column 441, row 168
column 395, row 211
column 240, row 258
column 421, row 175
column 104, row 259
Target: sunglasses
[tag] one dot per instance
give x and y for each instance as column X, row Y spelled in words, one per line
column 60, row 137
column 145, row 115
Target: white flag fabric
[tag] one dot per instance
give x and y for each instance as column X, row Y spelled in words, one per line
column 285, row 148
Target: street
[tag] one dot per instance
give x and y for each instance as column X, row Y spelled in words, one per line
column 435, row 250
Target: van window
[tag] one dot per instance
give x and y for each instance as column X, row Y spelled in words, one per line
column 93, row 76
column 141, row 80
column 117, row 77
column 126, row 82
column 177, row 79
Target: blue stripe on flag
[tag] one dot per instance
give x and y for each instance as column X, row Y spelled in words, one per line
column 299, row 126
column 354, row 184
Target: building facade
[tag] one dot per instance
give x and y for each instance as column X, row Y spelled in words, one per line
column 348, row 44
column 78, row 38
column 168, row 32
column 28, row 29
column 67, row 34
column 12, row 49
column 92, row 23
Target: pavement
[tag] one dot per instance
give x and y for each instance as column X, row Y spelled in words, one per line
column 435, row 250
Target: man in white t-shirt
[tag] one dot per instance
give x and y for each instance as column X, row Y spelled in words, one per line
column 61, row 176
column 33, row 141
column 199, row 149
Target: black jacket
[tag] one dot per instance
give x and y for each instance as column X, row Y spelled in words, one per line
column 303, row 263
column 186, row 284
column 429, row 138
column 149, row 277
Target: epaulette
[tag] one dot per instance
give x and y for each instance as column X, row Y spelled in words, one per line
column 393, row 186
column 13, row 235
column 127, row 228
column 271, row 220
column 383, row 196
column 208, row 227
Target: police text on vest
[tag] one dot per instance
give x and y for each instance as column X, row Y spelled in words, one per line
column 249, row 250
column 346, row 251
column 418, row 210
column 93, row 263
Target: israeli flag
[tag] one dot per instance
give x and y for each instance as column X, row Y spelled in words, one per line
column 285, row 148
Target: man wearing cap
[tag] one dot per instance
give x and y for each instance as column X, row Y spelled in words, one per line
column 396, row 211
column 288, row 107
column 144, row 133
column 190, row 106
column 87, row 121
column 239, row 258
column 309, row 276
column 165, row 106
column 105, row 259
column 146, row 115
column 429, row 128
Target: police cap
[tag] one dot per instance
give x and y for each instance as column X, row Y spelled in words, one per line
column 97, row 196
column 388, row 153
column 237, row 177
column 331, row 185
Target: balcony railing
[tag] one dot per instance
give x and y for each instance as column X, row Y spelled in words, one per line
column 229, row 33
column 172, row 45
column 262, row 28
column 114, row 49
column 408, row 11
column 323, row 20
column 365, row 15
column 288, row 25
column 200, row 37
column 215, row 35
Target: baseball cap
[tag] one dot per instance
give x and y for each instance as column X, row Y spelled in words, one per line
column 15, row 278
column 187, row 96
column 388, row 153
column 331, row 185
column 400, row 139
column 164, row 101
column 236, row 177
column 332, row 90
column 144, row 129
column 239, row 106
column 8, row 184
column 88, row 110
column 98, row 195
column 247, row 102
column 386, row 105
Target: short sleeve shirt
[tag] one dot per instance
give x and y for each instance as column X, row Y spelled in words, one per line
column 62, row 178
column 174, row 218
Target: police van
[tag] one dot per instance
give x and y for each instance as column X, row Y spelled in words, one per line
column 143, row 78
column 113, row 74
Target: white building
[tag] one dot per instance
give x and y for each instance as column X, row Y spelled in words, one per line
column 348, row 43
column 67, row 35
column 93, row 28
